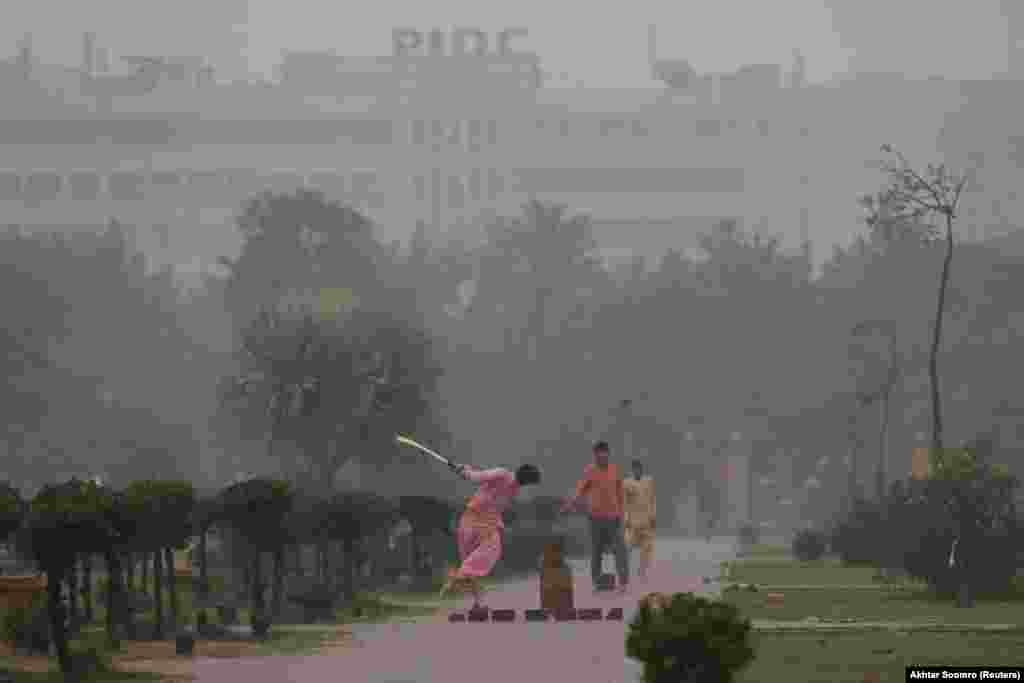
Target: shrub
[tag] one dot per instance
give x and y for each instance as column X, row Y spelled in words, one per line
column 690, row 639
column 809, row 545
column 90, row 660
column 28, row 629
column 15, row 623
column 862, row 535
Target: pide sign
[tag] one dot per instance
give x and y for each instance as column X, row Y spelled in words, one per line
column 410, row 42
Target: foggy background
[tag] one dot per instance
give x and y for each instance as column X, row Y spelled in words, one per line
column 521, row 332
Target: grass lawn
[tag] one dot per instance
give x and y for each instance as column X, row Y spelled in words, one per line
column 847, row 657
column 789, row 572
column 909, row 602
column 768, row 550
column 866, row 605
column 370, row 607
column 55, row 676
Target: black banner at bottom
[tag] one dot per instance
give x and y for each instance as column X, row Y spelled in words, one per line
column 964, row 673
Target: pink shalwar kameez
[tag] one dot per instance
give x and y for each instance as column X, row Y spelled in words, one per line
column 482, row 528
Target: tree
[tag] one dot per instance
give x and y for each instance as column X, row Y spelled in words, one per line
column 322, row 333
column 338, row 387
column 65, row 521
column 911, row 201
column 33, row 317
column 162, row 511
column 551, row 247
column 12, row 510
column 878, row 383
column 258, row 510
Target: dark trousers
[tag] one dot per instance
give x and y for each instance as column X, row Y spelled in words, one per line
column 606, row 535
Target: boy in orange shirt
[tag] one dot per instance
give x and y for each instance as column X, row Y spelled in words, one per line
column 602, row 486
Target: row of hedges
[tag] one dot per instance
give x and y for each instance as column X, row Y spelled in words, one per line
column 959, row 528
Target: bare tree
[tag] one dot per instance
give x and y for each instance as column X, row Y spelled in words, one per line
column 915, row 200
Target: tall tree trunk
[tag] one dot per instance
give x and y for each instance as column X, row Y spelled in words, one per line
column 279, row 555
column 964, row 598
column 933, row 359
column 172, row 584
column 114, row 594
column 146, row 588
column 204, row 577
column 883, row 443
column 854, row 449
column 257, row 585
column 57, row 615
column 130, row 570
column 158, row 595
column 349, row 570
column 71, row 579
column 87, row 587
column 247, row 575
column 323, row 564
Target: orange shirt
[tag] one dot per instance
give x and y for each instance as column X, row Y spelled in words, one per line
column 603, row 489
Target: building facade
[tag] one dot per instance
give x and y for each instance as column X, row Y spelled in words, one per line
column 449, row 141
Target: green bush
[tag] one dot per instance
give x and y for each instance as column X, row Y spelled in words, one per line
column 691, row 639
column 90, row 659
column 809, row 545
column 15, row 621
column 862, row 536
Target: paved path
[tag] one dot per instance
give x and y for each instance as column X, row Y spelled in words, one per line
column 511, row 653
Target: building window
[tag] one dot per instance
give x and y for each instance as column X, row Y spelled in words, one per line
column 163, row 234
column 804, row 131
column 417, row 132
column 207, row 184
column 10, row 186
column 419, row 184
column 608, row 125
column 41, row 187
column 126, row 186
column 762, row 127
column 84, row 186
column 165, row 178
column 563, row 128
column 492, row 132
column 474, row 186
column 331, row 184
column 709, row 128
column 495, row 184
column 475, row 133
column 363, row 183
column 639, row 130
column 455, row 133
column 456, row 193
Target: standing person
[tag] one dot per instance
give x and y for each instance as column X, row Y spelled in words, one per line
column 602, row 486
column 482, row 527
column 640, row 515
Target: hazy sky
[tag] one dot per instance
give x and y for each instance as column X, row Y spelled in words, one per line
column 601, row 48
